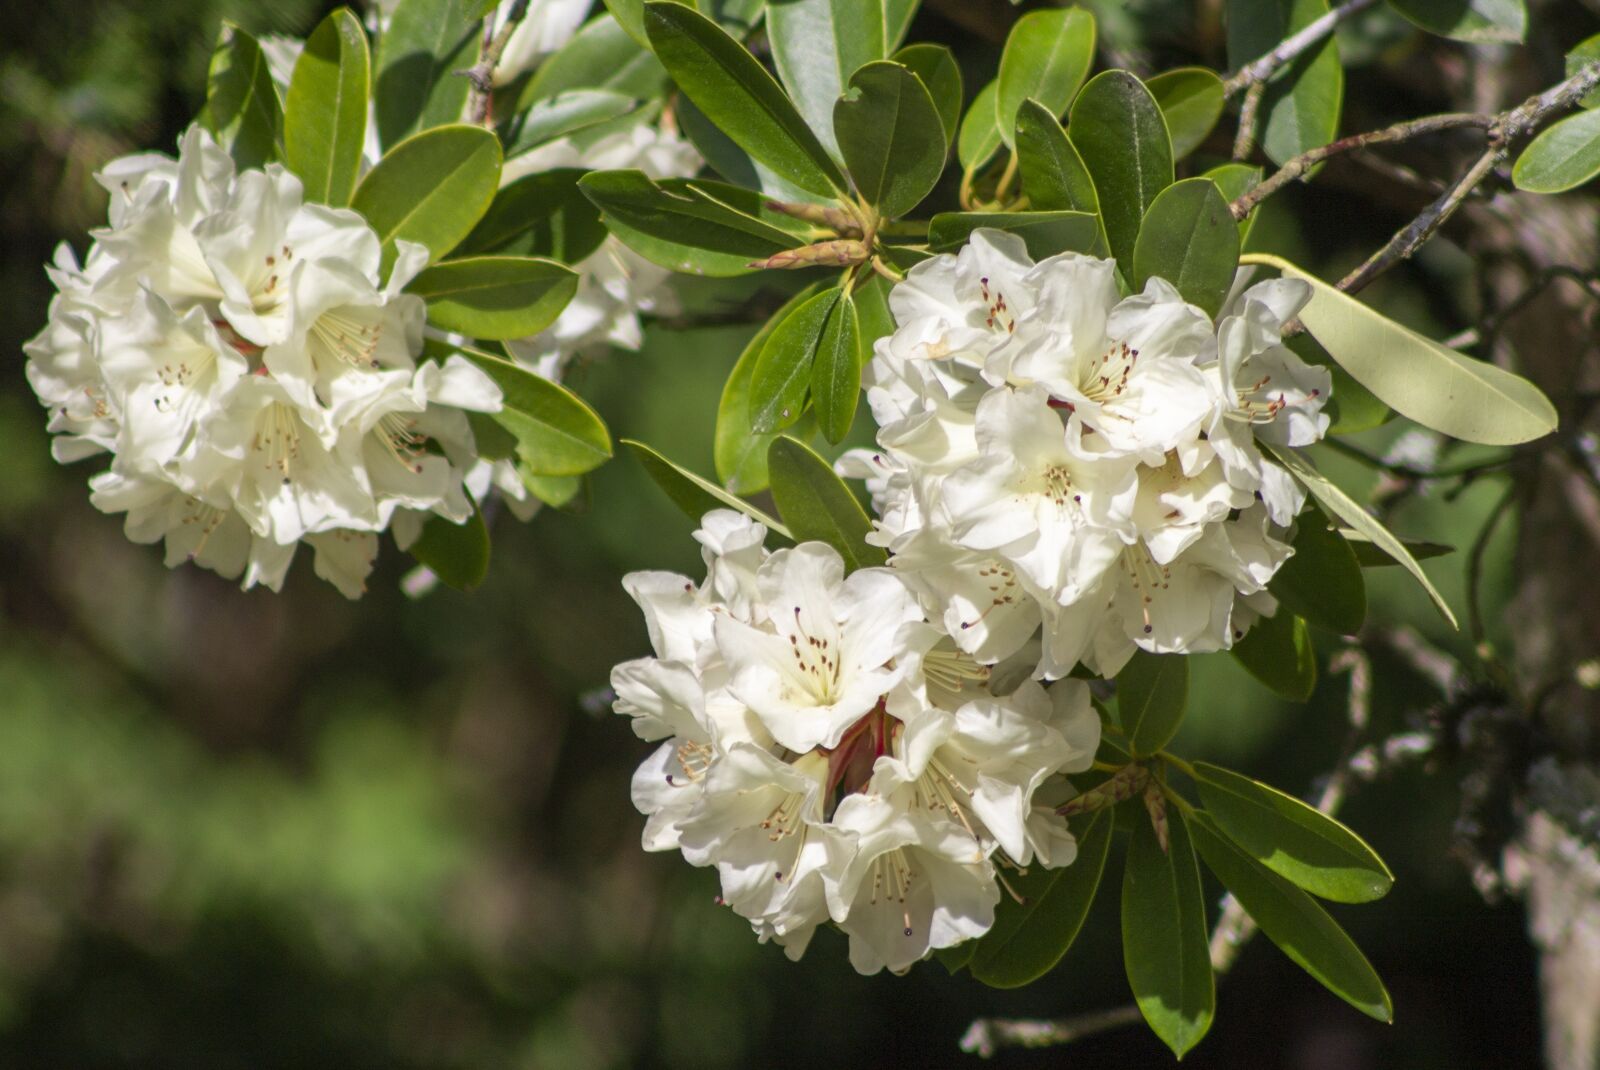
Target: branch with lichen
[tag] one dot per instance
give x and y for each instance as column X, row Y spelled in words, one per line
column 481, row 74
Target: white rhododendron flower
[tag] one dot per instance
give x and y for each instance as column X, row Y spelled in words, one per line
column 1056, row 459
column 834, row 755
column 251, row 367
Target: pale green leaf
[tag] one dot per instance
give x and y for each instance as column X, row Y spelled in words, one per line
column 325, row 118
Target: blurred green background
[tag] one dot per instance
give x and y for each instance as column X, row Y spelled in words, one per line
column 248, row 830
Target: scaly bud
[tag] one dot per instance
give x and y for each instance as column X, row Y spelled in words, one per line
column 840, row 253
column 1125, row 784
column 823, row 215
column 1156, row 803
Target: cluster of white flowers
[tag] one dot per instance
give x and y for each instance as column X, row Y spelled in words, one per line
column 252, row 374
column 1057, row 459
column 835, row 756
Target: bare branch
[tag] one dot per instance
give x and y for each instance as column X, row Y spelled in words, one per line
column 481, row 74
column 1259, row 70
column 986, row 1036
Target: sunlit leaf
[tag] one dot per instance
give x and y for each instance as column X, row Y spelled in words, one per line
column 1164, row 946
column 325, row 117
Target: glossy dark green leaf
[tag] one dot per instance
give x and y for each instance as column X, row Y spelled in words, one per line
column 1235, row 180
column 1293, row 920
column 940, row 73
column 542, row 214
column 891, row 137
column 1296, row 841
column 1152, row 692
column 1188, row 237
column 1277, row 651
column 1117, row 128
column 695, row 495
column 564, row 113
column 836, row 372
column 1302, row 102
column 1030, row 937
column 242, row 109
column 558, row 434
column 733, row 163
column 783, row 372
column 692, row 226
column 416, row 87
column 600, row 56
column 1053, row 174
column 1046, row 233
column 495, row 297
column 1564, row 156
column 1479, row 21
column 817, row 45
column 1046, row 58
column 1164, row 944
column 457, row 553
column 979, row 137
column 1191, row 100
column 325, row 118
column 1322, row 581
column 431, row 188
column 817, row 505
column 1370, row 556
column 738, row 94
column 872, row 309
column 741, row 454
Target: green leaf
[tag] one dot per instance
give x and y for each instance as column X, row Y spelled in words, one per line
column 542, row 214
column 1278, row 652
column 1053, row 174
column 431, row 188
column 732, row 162
column 600, row 56
column 872, row 308
column 941, row 75
column 1296, row 841
column 1235, row 180
column 1581, row 56
column 567, row 111
column 739, row 96
column 817, row 505
column 1188, row 237
column 1191, row 100
column 836, row 371
column 1046, row 58
column 979, row 138
column 1479, row 21
column 1164, row 947
column 741, row 454
column 630, row 14
column 1322, row 581
column 325, row 120
column 1352, row 407
column 1293, row 920
column 558, row 434
column 1370, row 556
column 1030, row 937
column 242, row 109
column 891, row 136
column 1302, row 101
column 1117, row 128
column 1152, row 691
column 417, row 88
column 782, row 374
column 692, row 226
column 457, row 553
column 558, row 492
column 817, row 45
column 1564, row 156
column 495, row 297
column 1346, row 508
column 694, row 495
column 1045, row 233
column 1419, row 378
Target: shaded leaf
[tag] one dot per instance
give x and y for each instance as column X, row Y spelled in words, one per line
column 1277, row 651
column 1188, row 237
column 1322, row 581
column 1117, row 128
column 600, row 56
column 1053, row 174
column 940, row 73
column 693, row 494
column 1164, row 946
column 817, row 505
column 741, row 454
column 542, row 214
column 1152, row 692
column 564, row 113
column 1468, row 20
column 1045, row 233
column 457, row 553
column 1191, row 100
column 425, row 42
column 836, row 371
column 891, row 136
column 557, row 433
column 1302, row 102
column 242, row 109
column 495, row 297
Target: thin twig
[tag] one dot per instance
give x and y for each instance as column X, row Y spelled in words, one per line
column 481, row 74
column 1259, row 70
column 1244, row 142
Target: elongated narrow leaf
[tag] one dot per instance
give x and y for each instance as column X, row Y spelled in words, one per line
column 1346, row 508
column 630, row 15
column 740, row 453
column 1322, row 581
column 567, row 112
column 432, row 188
column 420, row 50
column 1189, row 238
column 737, row 94
column 1046, row 233
column 242, row 109
column 1278, row 652
column 733, row 163
column 783, row 372
column 457, row 553
column 817, row 45
column 495, row 297
column 836, row 372
column 1053, row 174
column 1152, row 693
column 694, row 494
column 1369, row 555
column 1564, row 156
column 1416, row 376
column 979, row 138
column 542, row 214
column 1117, row 128
column 1293, row 920
column 940, row 73
column 1030, row 937
column 1046, row 58
column 601, row 56
column 325, row 119
column 1479, row 21
column 817, row 505
column 1164, row 935
column 891, row 136
column 1296, row 841
column 693, row 226
column 558, row 434
column 1191, row 100
column 1301, row 105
